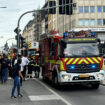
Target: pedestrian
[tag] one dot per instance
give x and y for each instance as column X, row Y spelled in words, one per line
column 17, row 80
column 31, row 67
column 25, row 62
column 37, row 66
column 21, row 66
column 5, row 64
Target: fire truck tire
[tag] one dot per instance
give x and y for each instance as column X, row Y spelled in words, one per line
column 55, row 82
column 95, row 86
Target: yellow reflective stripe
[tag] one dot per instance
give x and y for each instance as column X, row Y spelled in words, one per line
column 52, row 61
column 95, row 60
column 29, row 74
column 90, row 60
column 70, row 60
column 103, row 65
column 66, row 59
column 80, row 61
column 86, row 61
column 99, row 58
column 75, row 60
column 61, row 65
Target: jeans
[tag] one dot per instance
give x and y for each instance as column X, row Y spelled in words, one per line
column 4, row 75
column 16, row 84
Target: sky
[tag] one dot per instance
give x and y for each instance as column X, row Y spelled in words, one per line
column 9, row 17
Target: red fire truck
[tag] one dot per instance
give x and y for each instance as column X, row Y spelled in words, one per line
column 74, row 58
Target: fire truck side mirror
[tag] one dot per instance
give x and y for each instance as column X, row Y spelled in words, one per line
column 63, row 44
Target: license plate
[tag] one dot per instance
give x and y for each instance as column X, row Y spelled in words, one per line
column 82, row 76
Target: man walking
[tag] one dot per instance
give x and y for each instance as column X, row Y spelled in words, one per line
column 5, row 64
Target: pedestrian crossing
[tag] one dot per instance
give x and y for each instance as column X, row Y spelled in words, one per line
column 44, row 97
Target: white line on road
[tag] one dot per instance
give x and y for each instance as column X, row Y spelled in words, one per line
column 43, row 97
column 65, row 101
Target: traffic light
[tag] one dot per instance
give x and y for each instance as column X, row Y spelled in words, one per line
column 52, row 4
column 66, row 7
column 16, row 30
column 23, row 42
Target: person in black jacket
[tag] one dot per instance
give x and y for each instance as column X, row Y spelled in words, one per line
column 5, row 64
column 17, row 80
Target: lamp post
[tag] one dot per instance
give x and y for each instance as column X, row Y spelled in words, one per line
column 3, row 7
column 6, row 44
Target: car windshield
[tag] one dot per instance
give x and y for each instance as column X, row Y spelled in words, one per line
column 81, row 49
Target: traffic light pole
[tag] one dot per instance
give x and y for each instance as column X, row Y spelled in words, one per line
column 18, row 24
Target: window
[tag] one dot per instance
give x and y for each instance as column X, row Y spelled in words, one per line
column 99, row 9
column 103, row 8
column 86, row 9
column 81, row 9
column 80, row 22
column 99, row 22
column 86, row 22
column 92, row 9
column 92, row 22
column 103, row 21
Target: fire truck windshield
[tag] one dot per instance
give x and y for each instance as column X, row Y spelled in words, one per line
column 81, row 49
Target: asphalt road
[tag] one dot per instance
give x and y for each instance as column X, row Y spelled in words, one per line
column 38, row 92
column 81, row 95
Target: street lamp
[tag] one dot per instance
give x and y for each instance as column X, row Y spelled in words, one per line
column 6, row 44
column 3, row 7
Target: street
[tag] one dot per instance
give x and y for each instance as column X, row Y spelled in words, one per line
column 38, row 92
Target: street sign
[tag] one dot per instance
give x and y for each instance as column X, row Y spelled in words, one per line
column 34, row 45
column 29, row 45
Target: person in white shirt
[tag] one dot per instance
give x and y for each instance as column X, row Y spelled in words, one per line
column 24, row 63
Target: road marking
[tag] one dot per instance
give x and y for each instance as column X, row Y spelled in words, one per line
column 44, row 97
column 56, row 94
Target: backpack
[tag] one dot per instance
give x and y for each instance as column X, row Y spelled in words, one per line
column 13, row 71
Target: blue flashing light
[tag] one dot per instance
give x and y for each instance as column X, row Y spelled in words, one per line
column 93, row 66
column 59, row 74
column 65, row 34
column 92, row 34
column 72, row 67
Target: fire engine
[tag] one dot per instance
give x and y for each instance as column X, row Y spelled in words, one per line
column 73, row 58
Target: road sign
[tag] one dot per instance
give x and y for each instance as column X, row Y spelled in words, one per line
column 34, row 45
column 29, row 45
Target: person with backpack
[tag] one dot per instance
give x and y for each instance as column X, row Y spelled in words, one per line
column 16, row 78
column 5, row 64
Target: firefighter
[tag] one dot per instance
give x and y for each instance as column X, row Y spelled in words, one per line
column 37, row 67
column 31, row 66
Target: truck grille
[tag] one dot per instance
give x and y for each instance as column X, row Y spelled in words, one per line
column 82, row 68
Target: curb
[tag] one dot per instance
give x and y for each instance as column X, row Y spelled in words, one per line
column 102, row 84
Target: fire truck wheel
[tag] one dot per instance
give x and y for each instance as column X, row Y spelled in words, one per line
column 55, row 82
column 95, row 86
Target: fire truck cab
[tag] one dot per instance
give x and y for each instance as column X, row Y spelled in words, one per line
column 75, row 58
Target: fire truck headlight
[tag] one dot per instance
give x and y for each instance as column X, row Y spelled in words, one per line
column 100, row 75
column 65, row 76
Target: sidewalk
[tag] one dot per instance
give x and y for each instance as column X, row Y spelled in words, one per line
column 103, row 83
column 34, row 93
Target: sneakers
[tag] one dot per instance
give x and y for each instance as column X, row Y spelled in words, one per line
column 20, row 95
column 13, row 97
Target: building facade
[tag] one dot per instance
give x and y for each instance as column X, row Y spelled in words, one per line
column 28, row 32
column 88, row 15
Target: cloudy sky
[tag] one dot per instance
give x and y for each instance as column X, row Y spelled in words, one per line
column 9, row 17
